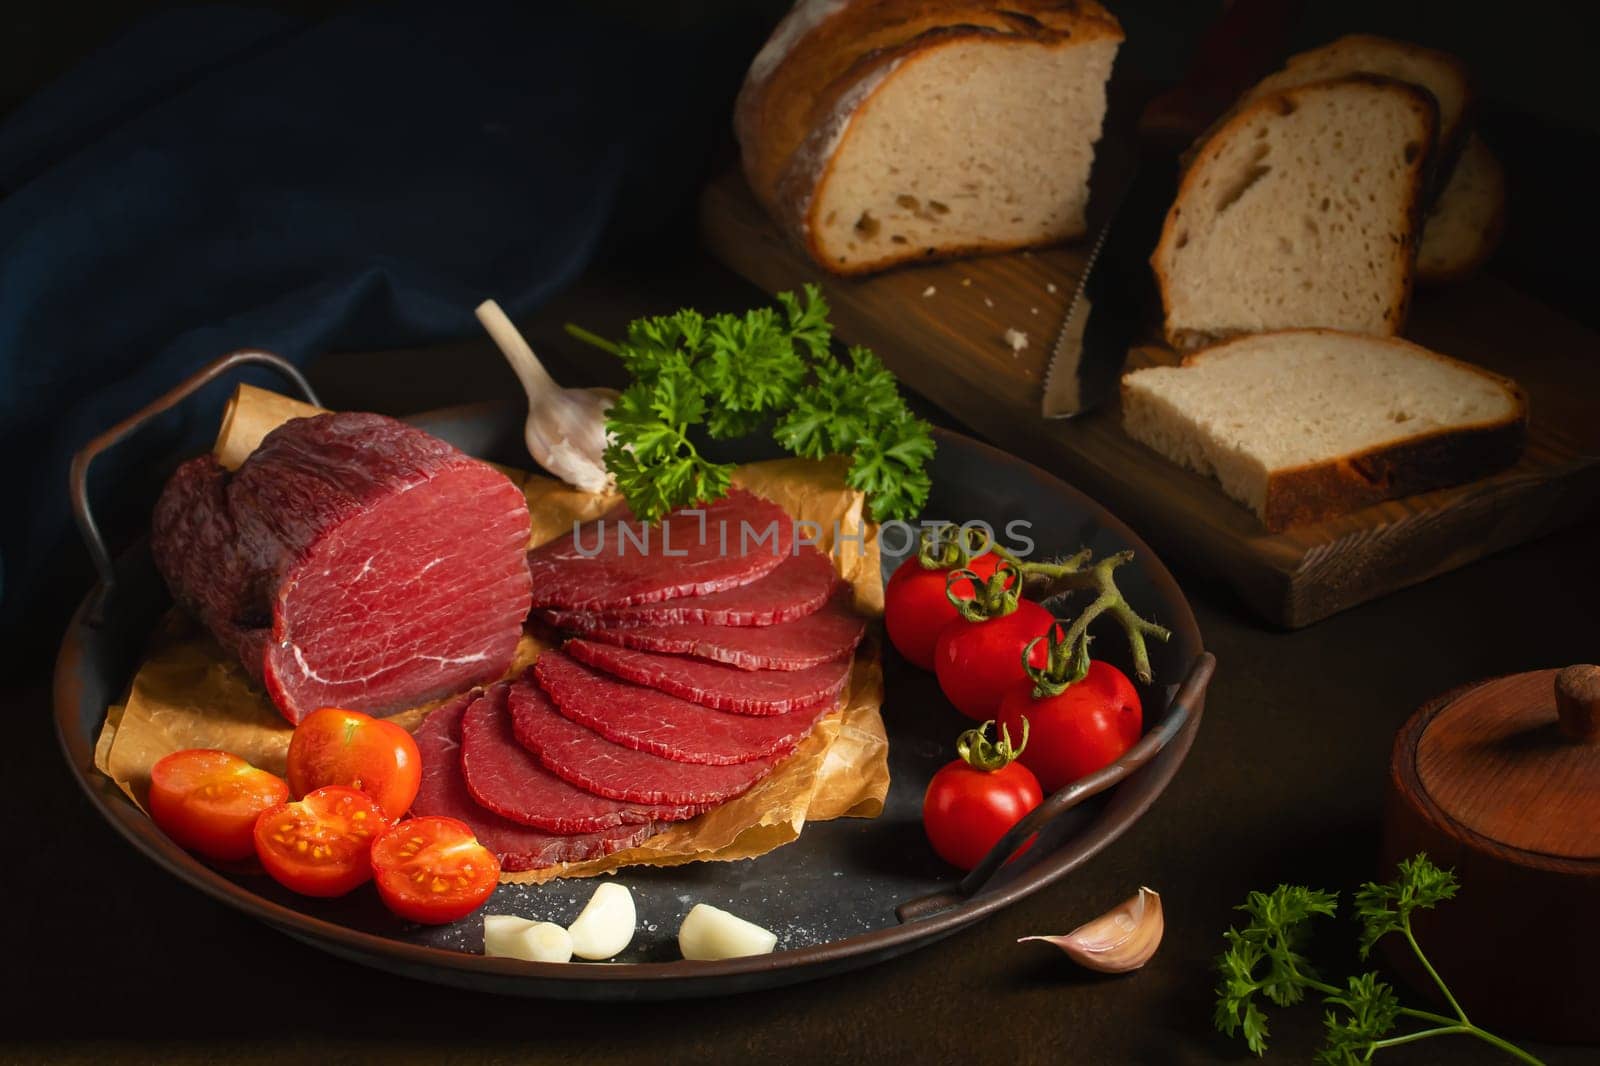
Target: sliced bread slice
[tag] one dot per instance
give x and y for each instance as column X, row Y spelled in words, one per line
column 1464, row 225
column 1441, row 73
column 1301, row 425
column 1302, row 210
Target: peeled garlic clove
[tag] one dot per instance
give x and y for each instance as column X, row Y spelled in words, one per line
column 605, row 926
column 708, row 933
column 1120, row 940
column 500, row 933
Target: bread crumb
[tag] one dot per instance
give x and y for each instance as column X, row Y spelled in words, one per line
column 929, row 291
column 1033, row 310
column 1050, row 286
column 1017, row 339
column 988, row 302
column 966, row 281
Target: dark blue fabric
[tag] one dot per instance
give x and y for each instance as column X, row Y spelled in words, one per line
column 227, row 177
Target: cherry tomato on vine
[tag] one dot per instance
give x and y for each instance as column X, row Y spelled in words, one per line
column 1088, row 725
column 974, row 800
column 320, row 845
column 208, row 800
column 977, row 663
column 916, row 607
column 433, row 870
column 338, row 747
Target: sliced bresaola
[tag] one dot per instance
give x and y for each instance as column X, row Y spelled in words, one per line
column 580, row 755
column 351, row 561
column 647, row 720
column 504, row 777
column 803, row 644
column 518, row 847
column 619, row 561
column 725, row 688
column 799, row 586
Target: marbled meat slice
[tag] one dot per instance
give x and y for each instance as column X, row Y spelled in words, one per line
column 799, row 586
column 724, row 688
column 518, row 847
column 351, row 561
column 802, row 644
column 647, row 720
column 590, row 761
column 504, row 777
column 618, row 561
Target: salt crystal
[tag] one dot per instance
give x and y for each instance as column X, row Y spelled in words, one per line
column 929, row 291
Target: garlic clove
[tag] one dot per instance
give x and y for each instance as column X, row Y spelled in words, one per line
column 500, row 933
column 1120, row 940
column 606, row 924
column 709, row 933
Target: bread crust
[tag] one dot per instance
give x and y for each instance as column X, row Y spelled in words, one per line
column 831, row 55
column 1400, row 301
column 1318, row 491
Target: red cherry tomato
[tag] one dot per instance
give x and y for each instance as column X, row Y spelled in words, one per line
column 916, row 609
column 320, row 845
column 208, row 800
column 433, row 870
column 338, row 747
column 1088, row 726
column 977, row 663
column 967, row 808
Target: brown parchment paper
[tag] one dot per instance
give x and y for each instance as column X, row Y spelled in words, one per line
column 189, row 694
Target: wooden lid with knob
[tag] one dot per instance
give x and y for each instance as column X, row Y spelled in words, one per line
column 1501, row 780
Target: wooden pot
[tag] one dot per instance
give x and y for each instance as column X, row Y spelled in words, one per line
column 1501, row 781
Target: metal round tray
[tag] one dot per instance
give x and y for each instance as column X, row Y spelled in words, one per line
column 848, row 893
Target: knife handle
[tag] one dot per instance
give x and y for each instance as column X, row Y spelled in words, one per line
column 1234, row 53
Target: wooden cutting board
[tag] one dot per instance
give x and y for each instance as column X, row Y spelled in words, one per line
column 942, row 329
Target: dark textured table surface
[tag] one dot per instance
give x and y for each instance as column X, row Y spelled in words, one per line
column 109, row 958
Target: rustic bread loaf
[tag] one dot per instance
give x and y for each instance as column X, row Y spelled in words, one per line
column 1465, row 222
column 1301, row 425
column 1302, row 210
column 877, row 132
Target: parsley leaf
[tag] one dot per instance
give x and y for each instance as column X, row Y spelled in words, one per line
column 730, row 376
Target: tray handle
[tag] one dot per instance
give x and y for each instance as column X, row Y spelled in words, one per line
column 79, row 474
column 1183, row 706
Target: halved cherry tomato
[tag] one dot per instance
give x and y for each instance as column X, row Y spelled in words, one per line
column 338, row 747
column 973, row 801
column 208, row 800
column 916, row 608
column 320, row 845
column 977, row 663
column 433, row 870
column 1090, row 725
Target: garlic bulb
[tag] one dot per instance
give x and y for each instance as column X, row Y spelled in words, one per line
column 1120, row 940
column 566, row 428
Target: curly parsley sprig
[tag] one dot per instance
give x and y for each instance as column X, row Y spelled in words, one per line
column 1265, row 957
column 732, row 375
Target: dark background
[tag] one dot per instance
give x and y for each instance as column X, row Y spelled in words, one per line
column 109, row 957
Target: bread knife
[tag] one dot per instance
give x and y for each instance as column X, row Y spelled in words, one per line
column 1136, row 176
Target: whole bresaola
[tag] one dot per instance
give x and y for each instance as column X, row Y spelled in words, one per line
column 351, row 561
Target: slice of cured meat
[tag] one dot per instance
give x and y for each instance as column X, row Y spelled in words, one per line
column 590, row 761
column 648, row 720
column 725, row 688
column 799, row 586
column 351, row 561
column 802, row 644
column 504, row 777
column 618, row 561
column 518, row 847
